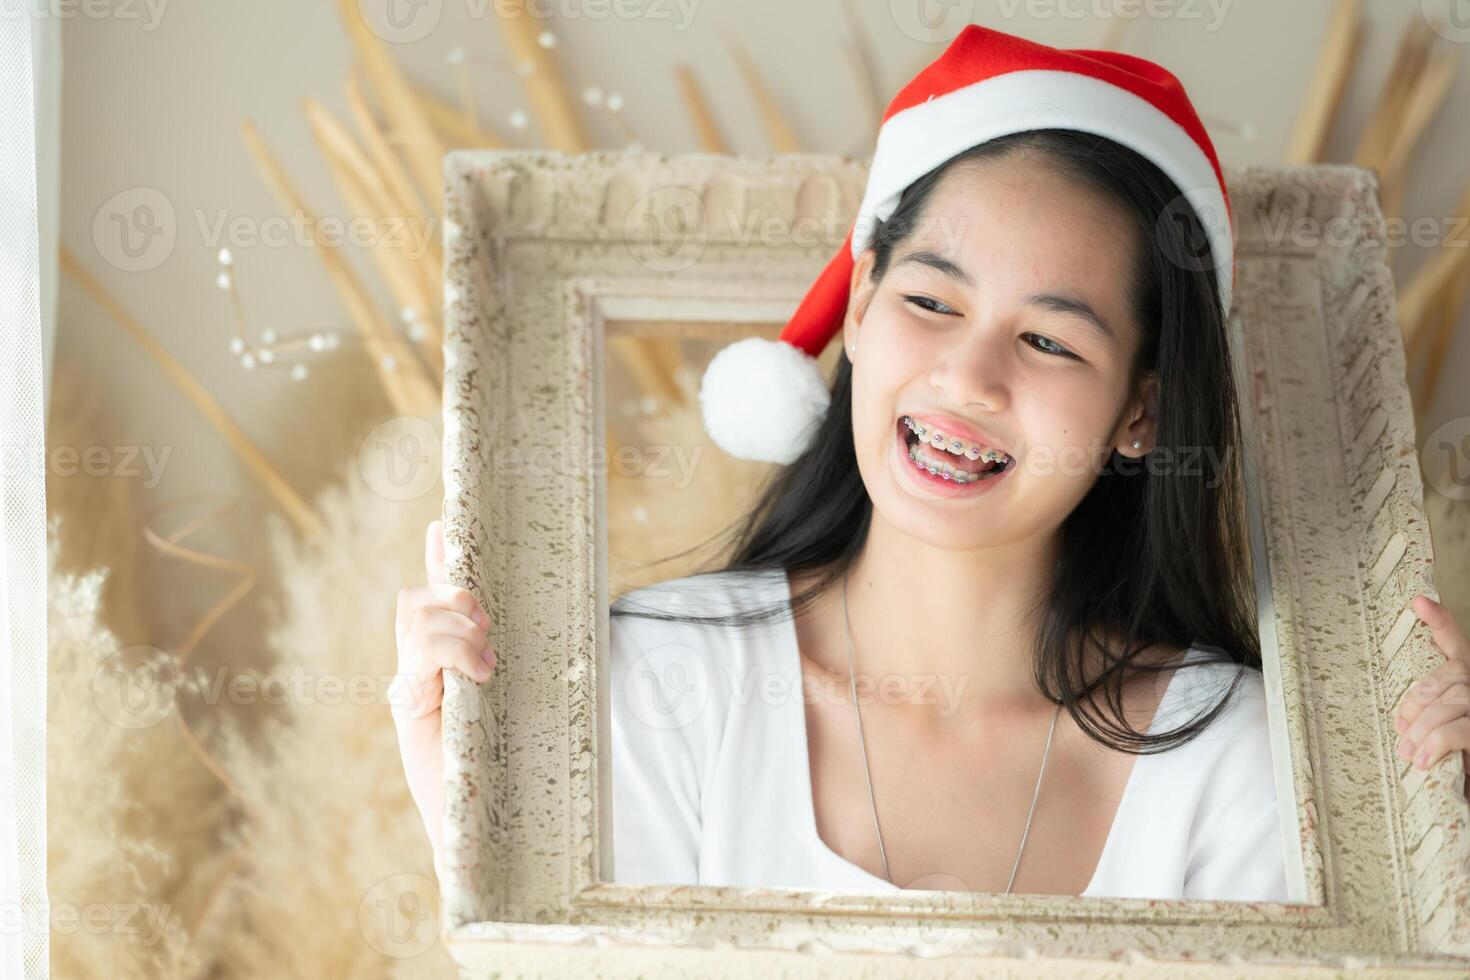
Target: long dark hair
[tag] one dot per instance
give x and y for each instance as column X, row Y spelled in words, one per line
column 1146, row 557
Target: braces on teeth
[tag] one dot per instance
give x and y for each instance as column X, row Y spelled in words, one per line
column 955, row 446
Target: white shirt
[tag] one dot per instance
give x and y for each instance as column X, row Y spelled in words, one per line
column 711, row 782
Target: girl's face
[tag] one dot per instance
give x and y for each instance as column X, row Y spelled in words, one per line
column 981, row 330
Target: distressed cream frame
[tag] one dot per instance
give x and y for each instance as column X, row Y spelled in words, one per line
column 546, row 252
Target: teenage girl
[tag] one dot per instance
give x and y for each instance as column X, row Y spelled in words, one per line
column 990, row 628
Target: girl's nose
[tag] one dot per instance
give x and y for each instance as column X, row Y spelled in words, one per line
column 976, row 370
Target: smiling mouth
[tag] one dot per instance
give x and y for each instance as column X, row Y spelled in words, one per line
column 941, row 461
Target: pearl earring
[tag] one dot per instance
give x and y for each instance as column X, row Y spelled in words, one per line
column 1137, row 444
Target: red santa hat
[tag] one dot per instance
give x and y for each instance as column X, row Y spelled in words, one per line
column 764, row 400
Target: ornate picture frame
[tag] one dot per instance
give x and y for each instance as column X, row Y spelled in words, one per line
column 546, row 253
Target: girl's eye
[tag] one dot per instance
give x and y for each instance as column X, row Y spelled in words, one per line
column 1055, row 348
column 934, row 306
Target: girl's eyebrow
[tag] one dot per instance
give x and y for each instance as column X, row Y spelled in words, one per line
column 1047, row 301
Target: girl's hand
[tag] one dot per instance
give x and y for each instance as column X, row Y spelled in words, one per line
column 1434, row 715
column 437, row 626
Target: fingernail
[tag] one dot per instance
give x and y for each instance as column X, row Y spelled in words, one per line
column 488, row 656
column 480, row 617
column 1404, row 749
column 1421, row 760
column 1399, row 725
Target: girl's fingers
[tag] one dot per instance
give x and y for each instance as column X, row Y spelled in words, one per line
column 434, row 552
column 1453, row 703
column 451, row 597
column 1434, row 715
column 1427, row 690
column 1451, row 737
column 443, row 639
column 468, row 658
column 1448, row 635
column 448, row 596
column 450, row 640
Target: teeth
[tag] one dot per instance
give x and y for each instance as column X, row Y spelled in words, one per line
column 940, row 467
column 954, row 445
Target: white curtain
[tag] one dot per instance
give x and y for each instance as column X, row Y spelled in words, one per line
column 30, row 81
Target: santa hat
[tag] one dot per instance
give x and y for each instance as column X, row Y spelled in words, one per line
column 764, row 400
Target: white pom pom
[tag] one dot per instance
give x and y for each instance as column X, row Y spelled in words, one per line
column 763, row 399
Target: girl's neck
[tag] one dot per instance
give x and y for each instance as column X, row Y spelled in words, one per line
column 931, row 620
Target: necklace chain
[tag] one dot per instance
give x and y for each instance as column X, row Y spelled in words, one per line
column 862, row 745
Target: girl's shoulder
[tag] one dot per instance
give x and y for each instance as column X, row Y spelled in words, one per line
column 1229, row 762
column 663, row 625
column 706, row 593
column 1204, row 679
column 730, row 607
column 673, row 682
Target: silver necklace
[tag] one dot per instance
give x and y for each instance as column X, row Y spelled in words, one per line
column 1035, row 795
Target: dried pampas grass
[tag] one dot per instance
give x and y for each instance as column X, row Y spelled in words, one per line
column 110, row 539
column 115, row 869
column 336, row 875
